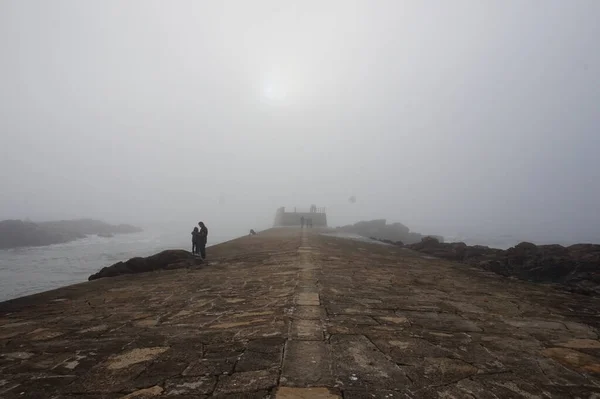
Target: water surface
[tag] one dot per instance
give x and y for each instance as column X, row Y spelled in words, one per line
column 29, row 270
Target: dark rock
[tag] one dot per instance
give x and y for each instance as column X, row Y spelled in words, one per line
column 518, row 254
column 165, row 260
column 576, row 267
column 458, row 250
column 585, row 252
column 494, row 266
column 479, row 251
column 427, row 243
column 432, row 246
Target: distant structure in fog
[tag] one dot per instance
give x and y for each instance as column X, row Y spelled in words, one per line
column 352, row 199
column 293, row 218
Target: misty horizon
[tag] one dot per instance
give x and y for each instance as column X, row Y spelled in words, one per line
column 463, row 117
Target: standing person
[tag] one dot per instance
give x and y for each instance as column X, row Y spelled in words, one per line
column 195, row 237
column 302, row 222
column 202, row 238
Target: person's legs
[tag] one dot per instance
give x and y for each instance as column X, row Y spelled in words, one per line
column 193, row 248
column 203, row 250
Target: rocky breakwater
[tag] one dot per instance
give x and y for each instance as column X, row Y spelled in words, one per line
column 299, row 314
column 165, row 260
column 394, row 233
column 576, row 267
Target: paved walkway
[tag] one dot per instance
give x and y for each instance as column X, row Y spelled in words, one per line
column 292, row 315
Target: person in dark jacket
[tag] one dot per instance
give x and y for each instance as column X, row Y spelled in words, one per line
column 195, row 239
column 202, row 238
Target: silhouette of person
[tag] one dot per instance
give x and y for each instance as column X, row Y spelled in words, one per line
column 302, row 222
column 195, row 239
column 202, row 239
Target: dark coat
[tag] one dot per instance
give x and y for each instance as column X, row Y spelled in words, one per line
column 203, row 235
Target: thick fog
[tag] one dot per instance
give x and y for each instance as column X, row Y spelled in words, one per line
column 449, row 116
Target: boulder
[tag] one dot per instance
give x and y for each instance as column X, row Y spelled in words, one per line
column 585, row 252
column 427, row 243
column 576, row 267
column 551, row 263
column 480, row 252
column 432, row 246
column 494, row 266
column 165, row 260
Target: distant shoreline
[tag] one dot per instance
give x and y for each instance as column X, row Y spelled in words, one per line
column 19, row 233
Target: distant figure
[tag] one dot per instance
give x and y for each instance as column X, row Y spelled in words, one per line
column 202, row 238
column 309, row 222
column 302, row 222
column 195, row 239
column 252, row 232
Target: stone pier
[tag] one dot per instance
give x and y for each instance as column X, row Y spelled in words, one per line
column 297, row 314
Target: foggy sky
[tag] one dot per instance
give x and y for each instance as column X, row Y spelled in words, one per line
column 444, row 115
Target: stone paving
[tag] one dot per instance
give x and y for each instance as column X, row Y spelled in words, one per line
column 287, row 314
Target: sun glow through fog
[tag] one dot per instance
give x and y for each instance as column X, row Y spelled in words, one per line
column 274, row 93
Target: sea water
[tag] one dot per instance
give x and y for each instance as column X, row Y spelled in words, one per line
column 29, row 270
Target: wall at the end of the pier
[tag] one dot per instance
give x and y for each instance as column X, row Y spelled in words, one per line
column 293, row 218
